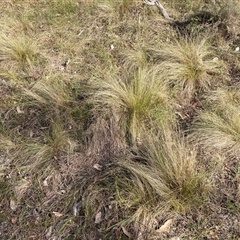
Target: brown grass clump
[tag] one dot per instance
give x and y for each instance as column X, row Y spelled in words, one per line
column 190, row 66
column 18, row 47
column 139, row 101
column 164, row 178
column 219, row 127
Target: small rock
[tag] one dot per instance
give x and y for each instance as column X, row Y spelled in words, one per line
column 98, row 217
column 166, row 226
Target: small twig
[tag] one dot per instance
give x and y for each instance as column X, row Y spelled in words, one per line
column 160, row 6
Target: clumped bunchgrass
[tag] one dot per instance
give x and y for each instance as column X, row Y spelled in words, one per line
column 220, row 131
column 172, row 170
column 139, row 100
column 22, row 50
column 165, row 177
column 190, row 66
column 39, row 154
column 51, row 90
column 135, row 59
column 219, row 127
column 17, row 47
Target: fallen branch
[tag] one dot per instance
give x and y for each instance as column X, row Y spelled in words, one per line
column 160, row 6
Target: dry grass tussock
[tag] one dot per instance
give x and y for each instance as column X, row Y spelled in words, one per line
column 218, row 127
column 140, row 100
column 18, row 47
column 163, row 177
column 91, row 145
column 51, row 90
column 189, row 65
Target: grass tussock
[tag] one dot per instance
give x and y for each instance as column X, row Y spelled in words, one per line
column 138, row 100
column 219, row 126
column 17, row 46
column 190, row 66
column 164, row 177
column 38, row 151
column 51, row 90
column 21, row 50
column 135, row 59
column 171, row 169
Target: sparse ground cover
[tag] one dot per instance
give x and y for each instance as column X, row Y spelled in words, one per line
column 117, row 123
